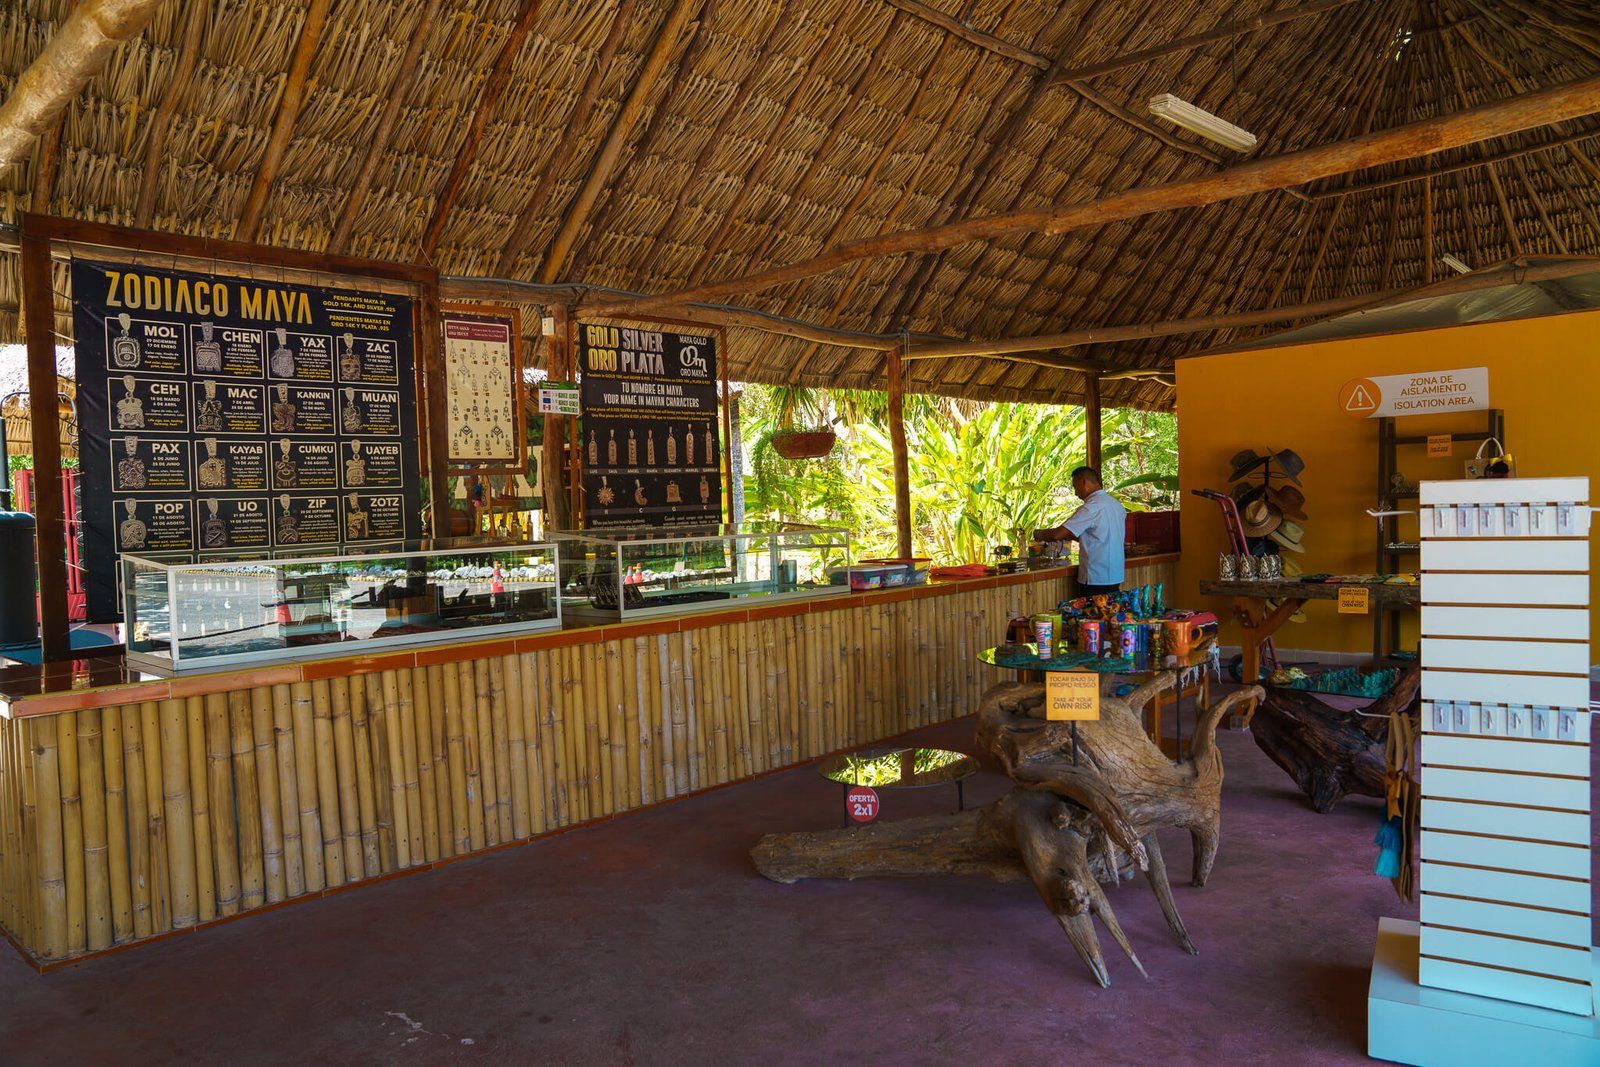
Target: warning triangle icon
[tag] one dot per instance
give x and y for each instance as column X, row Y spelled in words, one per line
column 1360, row 400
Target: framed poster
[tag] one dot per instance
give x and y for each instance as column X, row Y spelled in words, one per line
column 221, row 414
column 650, row 447
column 483, row 388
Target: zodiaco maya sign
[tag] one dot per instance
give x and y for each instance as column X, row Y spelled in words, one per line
column 1425, row 393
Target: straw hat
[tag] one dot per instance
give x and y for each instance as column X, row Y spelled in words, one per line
column 1260, row 518
column 1287, row 534
column 1246, row 461
column 1244, row 492
column 1289, row 500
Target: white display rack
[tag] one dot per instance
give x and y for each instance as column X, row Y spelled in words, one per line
column 1505, row 839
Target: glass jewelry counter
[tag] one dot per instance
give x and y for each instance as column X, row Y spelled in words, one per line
column 638, row 572
column 209, row 616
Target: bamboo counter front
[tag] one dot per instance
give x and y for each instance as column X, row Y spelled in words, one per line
column 134, row 807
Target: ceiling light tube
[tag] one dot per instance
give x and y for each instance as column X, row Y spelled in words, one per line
column 1204, row 123
column 1455, row 264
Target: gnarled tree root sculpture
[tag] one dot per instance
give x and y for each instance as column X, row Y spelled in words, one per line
column 1328, row 752
column 1066, row 827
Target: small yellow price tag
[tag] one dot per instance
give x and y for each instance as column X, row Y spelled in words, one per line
column 1439, row 445
column 1352, row 600
column 1072, row 696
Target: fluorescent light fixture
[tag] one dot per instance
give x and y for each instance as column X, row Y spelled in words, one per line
column 1204, row 123
column 1455, row 264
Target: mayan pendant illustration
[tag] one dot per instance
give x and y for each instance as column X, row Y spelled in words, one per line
column 672, row 448
column 124, row 349
column 638, row 494
column 132, row 531
column 673, row 495
column 130, row 469
column 355, row 519
column 283, row 471
column 350, row 415
column 355, row 468
column 705, row 490
column 213, row 532
column 130, row 409
column 282, row 361
column 633, row 450
column 213, row 471
column 594, row 452
column 208, row 415
column 707, row 456
column 207, row 353
column 605, row 494
column 282, row 411
column 650, row 448
column 288, row 525
column 611, row 450
column 349, row 362
column 688, row 447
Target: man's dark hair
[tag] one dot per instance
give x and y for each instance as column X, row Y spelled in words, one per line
column 1090, row 473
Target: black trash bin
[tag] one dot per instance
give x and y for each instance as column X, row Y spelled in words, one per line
column 19, row 605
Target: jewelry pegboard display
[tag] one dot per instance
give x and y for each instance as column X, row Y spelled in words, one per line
column 636, row 573
column 209, row 616
column 1505, row 933
column 483, row 402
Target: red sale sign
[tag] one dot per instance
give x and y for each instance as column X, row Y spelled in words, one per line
column 862, row 803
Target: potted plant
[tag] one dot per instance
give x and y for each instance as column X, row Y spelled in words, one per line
column 802, row 428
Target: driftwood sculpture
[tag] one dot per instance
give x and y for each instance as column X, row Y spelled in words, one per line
column 1327, row 751
column 1065, row 827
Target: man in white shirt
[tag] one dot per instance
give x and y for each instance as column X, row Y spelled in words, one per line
column 1100, row 527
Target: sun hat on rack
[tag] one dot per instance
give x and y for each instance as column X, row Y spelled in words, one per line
column 1289, row 500
column 1289, row 464
column 1287, row 534
column 1259, row 518
column 1245, row 461
column 1244, row 492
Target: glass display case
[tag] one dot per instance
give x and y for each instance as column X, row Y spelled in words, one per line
column 638, row 572
column 208, row 616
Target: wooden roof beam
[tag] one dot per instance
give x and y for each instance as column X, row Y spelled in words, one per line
column 289, row 104
column 155, row 152
column 76, row 53
column 1471, row 164
column 488, row 101
column 399, row 89
column 1571, row 100
column 556, row 164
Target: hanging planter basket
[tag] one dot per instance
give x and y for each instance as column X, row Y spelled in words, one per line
column 803, row 444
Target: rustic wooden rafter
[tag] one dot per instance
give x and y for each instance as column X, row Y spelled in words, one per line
column 1570, row 100
column 487, row 103
column 577, row 213
column 554, row 167
column 74, row 54
column 289, row 104
column 194, row 24
column 1505, row 156
column 405, row 76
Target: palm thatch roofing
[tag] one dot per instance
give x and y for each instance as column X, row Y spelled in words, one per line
column 700, row 147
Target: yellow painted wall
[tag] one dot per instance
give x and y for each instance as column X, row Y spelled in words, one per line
column 1544, row 373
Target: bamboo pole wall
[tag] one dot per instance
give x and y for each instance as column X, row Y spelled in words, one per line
column 130, row 821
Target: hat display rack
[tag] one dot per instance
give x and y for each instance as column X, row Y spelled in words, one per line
column 1267, row 491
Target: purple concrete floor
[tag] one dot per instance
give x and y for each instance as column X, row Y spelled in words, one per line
column 651, row 940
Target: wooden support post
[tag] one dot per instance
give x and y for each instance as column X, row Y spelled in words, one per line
column 726, row 466
column 557, row 515
column 897, row 438
column 49, row 512
column 433, row 415
column 1091, row 418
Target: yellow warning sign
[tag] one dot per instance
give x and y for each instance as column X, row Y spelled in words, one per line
column 1072, row 695
column 1352, row 600
column 1439, row 445
column 1360, row 397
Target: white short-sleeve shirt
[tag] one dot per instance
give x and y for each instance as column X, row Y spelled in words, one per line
column 1101, row 526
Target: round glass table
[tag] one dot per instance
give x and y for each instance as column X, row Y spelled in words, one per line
column 901, row 768
column 1025, row 657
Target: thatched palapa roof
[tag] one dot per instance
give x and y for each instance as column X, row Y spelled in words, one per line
column 937, row 172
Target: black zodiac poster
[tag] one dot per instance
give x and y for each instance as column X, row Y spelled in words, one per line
column 222, row 414
column 651, row 456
